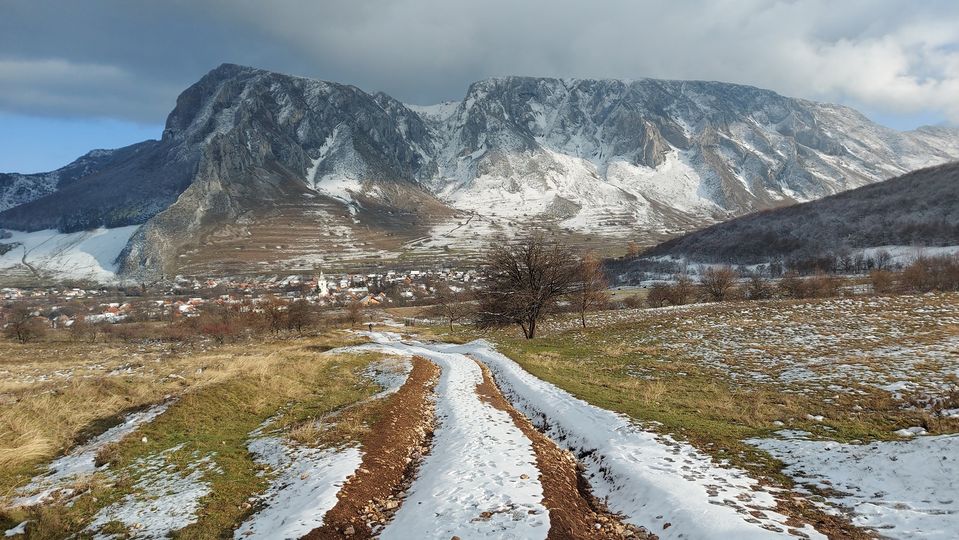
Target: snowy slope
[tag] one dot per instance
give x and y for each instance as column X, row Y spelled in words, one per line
column 81, row 255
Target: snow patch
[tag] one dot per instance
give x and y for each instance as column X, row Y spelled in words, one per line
column 902, row 489
column 165, row 497
column 80, row 461
column 303, row 490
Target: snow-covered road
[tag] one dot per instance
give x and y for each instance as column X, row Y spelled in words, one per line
column 479, row 459
column 480, row 480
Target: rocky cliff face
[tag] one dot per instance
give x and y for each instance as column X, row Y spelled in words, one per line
column 323, row 170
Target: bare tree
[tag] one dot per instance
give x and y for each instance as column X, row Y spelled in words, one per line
column 81, row 329
column 274, row 313
column 354, row 312
column 524, row 282
column 592, row 292
column 299, row 315
column 658, row 295
column 718, row 282
column 680, row 291
column 449, row 305
column 882, row 259
column 23, row 326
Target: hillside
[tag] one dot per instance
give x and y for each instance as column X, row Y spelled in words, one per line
column 259, row 171
column 916, row 209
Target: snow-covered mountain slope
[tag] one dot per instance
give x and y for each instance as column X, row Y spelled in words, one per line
column 17, row 189
column 80, row 255
column 645, row 152
column 250, row 155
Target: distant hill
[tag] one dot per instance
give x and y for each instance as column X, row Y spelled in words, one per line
column 920, row 208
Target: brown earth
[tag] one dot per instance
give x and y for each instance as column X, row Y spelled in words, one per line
column 800, row 511
column 392, row 452
column 574, row 513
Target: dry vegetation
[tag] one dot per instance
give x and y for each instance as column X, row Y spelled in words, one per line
column 59, row 391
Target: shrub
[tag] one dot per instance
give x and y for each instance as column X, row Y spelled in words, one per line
column 658, row 296
column 758, row 287
column 932, row 274
column 823, row 285
column 681, row 291
column 882, row 281
column 793, row 286
column 718, row 283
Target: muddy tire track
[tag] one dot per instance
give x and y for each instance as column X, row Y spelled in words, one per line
column 574, row 513
column 392, row 452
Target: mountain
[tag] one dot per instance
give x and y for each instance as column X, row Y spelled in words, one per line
column 18, row 189
column 258, row 170
column 920, row 208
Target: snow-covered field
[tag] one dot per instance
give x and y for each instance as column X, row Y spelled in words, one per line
column 907, row 489
column 81, row 255
column 902, row 344
column 651, row 479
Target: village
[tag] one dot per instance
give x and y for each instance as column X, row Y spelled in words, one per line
column 185, row 297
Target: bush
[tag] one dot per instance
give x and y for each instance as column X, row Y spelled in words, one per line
column 718, row 283
column 128, row 332
column 681, row 291
column 823, row 285
column 932, row 274
column 658, row 296
column 882, row 281
column 793, row 286
column 758, row 287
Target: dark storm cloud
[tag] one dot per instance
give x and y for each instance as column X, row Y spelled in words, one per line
column 129, row 60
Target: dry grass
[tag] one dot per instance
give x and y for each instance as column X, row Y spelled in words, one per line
column 56, row 394
column 222, row 394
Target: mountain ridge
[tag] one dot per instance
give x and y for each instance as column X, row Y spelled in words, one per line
column 246, row 152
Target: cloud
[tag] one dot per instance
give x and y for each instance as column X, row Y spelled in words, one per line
column 58, row 87
column 129, row 60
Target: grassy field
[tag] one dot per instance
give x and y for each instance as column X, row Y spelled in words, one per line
column 58, row 393
column 845, row 369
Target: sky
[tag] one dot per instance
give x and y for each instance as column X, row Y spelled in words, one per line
column 105, row 73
